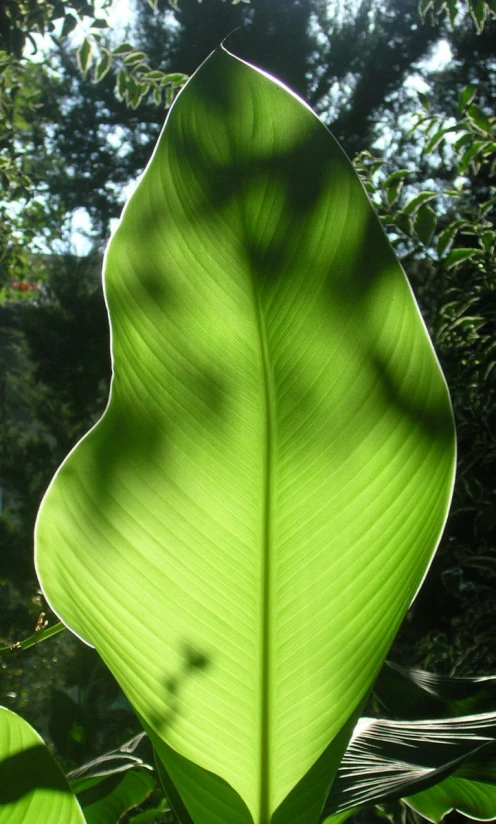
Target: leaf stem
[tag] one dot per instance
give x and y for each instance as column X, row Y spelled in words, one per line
column 34, row 639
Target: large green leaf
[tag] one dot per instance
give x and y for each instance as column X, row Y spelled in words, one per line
column 32, row 786
column 242, row 532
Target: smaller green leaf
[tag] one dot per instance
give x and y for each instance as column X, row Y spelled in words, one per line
column 103, row 66
column 393, row 191
column 157, row 95
column 387, row 220
column 175, row 78
column 425, row 224
column 338, row 818
column 134, row 90
column 470, row 322
column 424, row 100
column 488, row 370
column 30, row 778
column 463, row 140
column 150, row 816
column 153, row 75
column 466, row 96
column 416, row 202
column 84, row 54
column 487, row 241
column 106, row 799
column 404, row 223
column 424, row 6
column 135, row 57
column 486, row 207
column 478, row 12
column 446, row 238
column 376, row 165
column 452, row 10
column 99, row 23
column 427, row 121
column 458, row 256
column 70, row 23
column 400, row 174
column 122, row 83
column 470, row 154
column 475, row 799
column 123, row 48
column 152, row 4
column 480, row 118
column 141, row 92
column 436, row 139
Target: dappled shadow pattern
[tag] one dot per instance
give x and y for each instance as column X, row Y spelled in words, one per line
column 30, row 770
column 194, row 663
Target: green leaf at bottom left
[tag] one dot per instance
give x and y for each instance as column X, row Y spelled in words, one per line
column 32, row 786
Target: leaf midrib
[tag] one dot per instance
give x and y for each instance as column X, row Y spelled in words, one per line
column 267, row 390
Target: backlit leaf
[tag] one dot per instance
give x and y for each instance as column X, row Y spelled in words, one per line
column 478, row 11
column 176, row 78
column 70, row 23
column 480, row 118
column 470, row 154
column 123, row 48
column 467, row 95
column 425, row 224
column 424, row 6
column 457, row 256
column 437, row 137
column 424, row 100
column 99, row 23
column 418, row 200
column 243, row 531
column 393, row 191
column 399, row 174
column 134, row 57
column 33, row 787
column 102, row 67
column 452, row 8
column 84, row 54
column 446, row 238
